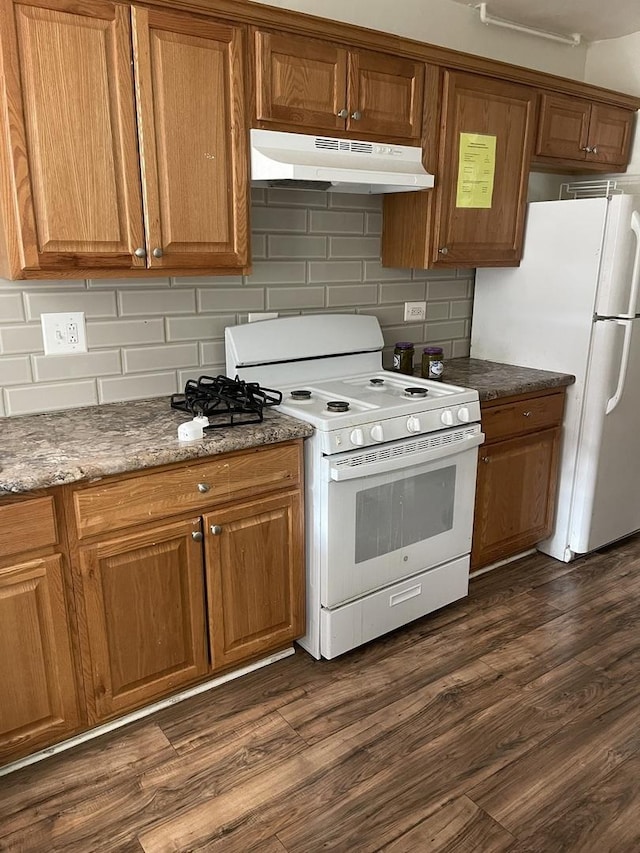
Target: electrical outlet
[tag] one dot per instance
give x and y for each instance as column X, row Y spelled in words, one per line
column 64, row 333
column 267, row 315
column 415, row 311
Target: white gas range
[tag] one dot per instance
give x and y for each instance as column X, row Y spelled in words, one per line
column 390, row 474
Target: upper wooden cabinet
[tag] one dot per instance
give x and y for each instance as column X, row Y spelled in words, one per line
column 76, row 166
column 315, row 86
column 469, row 219
column 582, row 135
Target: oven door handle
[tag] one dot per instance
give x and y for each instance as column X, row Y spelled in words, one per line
column 393, row 463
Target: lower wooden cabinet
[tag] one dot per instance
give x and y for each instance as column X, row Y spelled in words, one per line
column 143, row 598
column 517, row 475
column 38, row 703
column 255, row 591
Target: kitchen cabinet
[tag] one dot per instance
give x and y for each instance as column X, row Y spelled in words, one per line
column 255, row 599
column 101, row 178
column 186, row 570
column 517, row 475
column 38, row 703
column 580, row 134
column 314, row 86
column 447, row 227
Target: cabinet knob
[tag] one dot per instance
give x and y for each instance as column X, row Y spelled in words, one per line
column 587, row 148
column 216, row 529
column 594, row 150
column 485, row 459
column 140, row 252
column 157, row 252
column 443, row 251
column 204, row 487
column 526, row 414
column 343, row 113
column 197, row 536
column 356, row 115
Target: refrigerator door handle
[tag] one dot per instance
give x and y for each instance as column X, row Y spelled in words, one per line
column 624, row 363
column 635, row 275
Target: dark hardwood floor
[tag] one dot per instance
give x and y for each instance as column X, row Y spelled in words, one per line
column 509, row 721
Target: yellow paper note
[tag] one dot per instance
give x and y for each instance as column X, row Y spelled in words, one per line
column 476, row 170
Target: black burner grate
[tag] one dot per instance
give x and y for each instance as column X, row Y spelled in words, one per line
column 226, row 402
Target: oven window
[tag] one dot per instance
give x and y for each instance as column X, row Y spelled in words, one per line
column 406, row 511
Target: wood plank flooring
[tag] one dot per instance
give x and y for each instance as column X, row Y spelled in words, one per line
column 509, row 721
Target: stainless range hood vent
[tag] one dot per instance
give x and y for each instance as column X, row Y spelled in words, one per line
column 320, row 162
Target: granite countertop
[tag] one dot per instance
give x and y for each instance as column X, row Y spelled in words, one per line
column 44, row 450
column 494, row 380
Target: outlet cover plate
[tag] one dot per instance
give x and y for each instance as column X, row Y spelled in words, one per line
column 415, row 312
column 64, row 333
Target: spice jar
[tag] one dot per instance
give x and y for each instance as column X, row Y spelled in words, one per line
column 432, row 363
column 403, row 357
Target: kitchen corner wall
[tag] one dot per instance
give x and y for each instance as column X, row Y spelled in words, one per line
column 312, row 252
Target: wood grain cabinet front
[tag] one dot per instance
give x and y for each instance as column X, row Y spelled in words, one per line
column 100, row 177
column 517, row 475
column 313, row 86
column 582, row 135
column 448, row 226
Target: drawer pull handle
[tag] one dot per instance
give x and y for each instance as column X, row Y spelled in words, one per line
column 216, row 529
column 526, row 414
column 196, row 536
column 204, row 487
column 400, row 597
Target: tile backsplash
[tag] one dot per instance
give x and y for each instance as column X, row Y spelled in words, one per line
column 312, row 252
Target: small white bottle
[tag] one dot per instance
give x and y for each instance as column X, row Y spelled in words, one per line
column 193, row 430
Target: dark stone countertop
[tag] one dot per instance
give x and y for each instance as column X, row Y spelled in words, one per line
column 37, row 451
column 494, row 380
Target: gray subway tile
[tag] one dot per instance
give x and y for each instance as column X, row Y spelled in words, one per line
column 398, row 291
column 15, row 371
column 336, row 222
column 212, row 352
column 460, row 349
column 295, row 297
column 297, row 198
column 202, row 327
column 231, row 299
column 25, row 338
column 438, row 310
column 49, row 368
column 142, row 387
column 440, row 290
column 11, row 310
column 355, row 201
column 94, row 304
column 294, row 246
column 392, row 315
column 149, row 359
column 374, row 271
column 111, row 283
column 275, row 219
column 113, row 333
column 30, row 399
column 461, row 309
column 351, row 294
column 325, row 271
column 440, row 331
column 373, row 223
column 153, row 302
column 278, row 272
column 354, row 247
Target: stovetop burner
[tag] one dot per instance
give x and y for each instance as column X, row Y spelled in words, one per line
column 226, row 402
column 415, row 392
column 376, row 381
column 337, row 406
column 302, row 394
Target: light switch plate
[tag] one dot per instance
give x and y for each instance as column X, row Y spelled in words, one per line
column 64, row 333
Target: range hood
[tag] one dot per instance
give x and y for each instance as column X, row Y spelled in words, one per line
column 345, row 165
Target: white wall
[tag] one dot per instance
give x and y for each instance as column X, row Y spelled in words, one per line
column 615, row 64
column 449, row 24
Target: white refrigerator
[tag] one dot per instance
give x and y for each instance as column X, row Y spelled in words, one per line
column 572, row 306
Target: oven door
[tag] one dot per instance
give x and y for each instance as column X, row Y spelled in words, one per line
column 396, row 509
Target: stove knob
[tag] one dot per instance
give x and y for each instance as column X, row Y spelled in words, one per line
column 357, row 437
column 464, row 415
column 447, row 417
column 413, row 424
column 377, row 433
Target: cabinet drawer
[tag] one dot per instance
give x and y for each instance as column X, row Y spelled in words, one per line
column 522, row 416
column 27, row 525
column 193, row 487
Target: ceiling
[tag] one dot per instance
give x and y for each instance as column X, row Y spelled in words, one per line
column 593, row 19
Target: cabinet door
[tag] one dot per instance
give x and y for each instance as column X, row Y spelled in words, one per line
column 38, row 703
column 300, row 82
column 190, row 79
column 475, row 235
column 255, row 577
column 515, row 495
column 143, row 597
column 610, row 135
column 563, row 128
column 72, row 157
column 385, row 96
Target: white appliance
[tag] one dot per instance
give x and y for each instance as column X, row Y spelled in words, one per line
column 389, row 474
column 320, row 162
column 572, row 306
